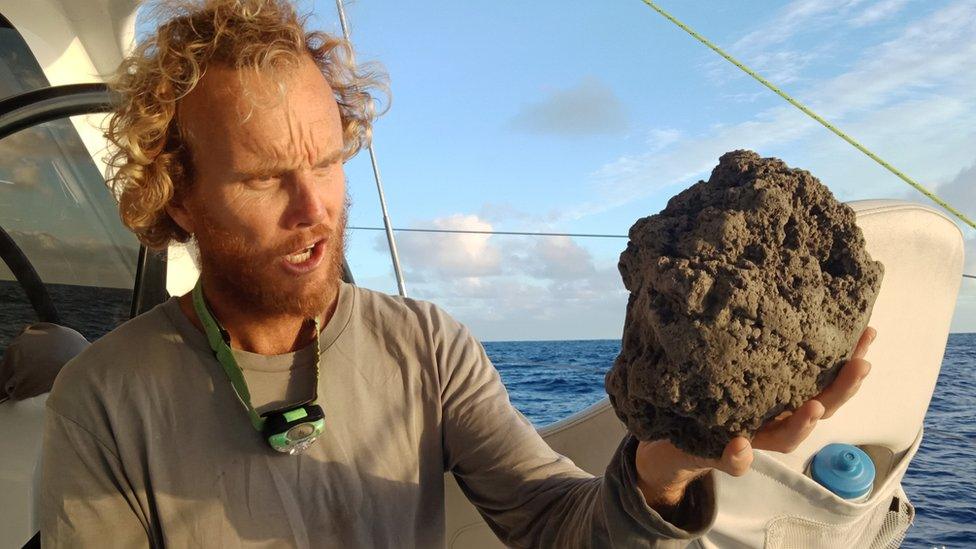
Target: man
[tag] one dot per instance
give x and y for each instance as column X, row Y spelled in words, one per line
column 233, row 127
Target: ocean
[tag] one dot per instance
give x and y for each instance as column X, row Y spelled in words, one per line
column 549, row 380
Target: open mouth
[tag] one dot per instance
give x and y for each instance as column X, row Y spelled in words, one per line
column 300, row 257
column 306, row 259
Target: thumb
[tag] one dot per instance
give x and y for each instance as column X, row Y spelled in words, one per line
column 736, row 458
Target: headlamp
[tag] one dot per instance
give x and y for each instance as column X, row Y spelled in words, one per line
column 292, row 431
column 289, row 430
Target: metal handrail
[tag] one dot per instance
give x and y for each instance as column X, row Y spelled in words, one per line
column 46, row 104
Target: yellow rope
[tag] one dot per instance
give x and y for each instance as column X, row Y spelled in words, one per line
column 811, row 114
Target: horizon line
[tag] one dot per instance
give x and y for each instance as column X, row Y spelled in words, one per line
column 603, row 339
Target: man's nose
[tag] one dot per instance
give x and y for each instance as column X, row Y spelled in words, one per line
column 307, row 206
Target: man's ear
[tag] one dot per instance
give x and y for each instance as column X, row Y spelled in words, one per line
column 178, row 211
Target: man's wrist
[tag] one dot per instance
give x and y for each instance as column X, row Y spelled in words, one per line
column 669, row 495
column 659, row 480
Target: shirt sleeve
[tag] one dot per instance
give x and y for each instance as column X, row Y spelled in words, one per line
column 532, row 496
column 86, row 500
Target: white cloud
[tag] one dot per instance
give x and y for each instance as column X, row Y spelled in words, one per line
column 537, row 287
column 970, row 266
column 928, row 139
column 588, row 108
column 750, row 97
column 659, row 138
column 877, row 12
column 446, row 254
column 520, row 306
column 935, row 53
column 633, row 177
column 813, row 17
column 797, row 16
column 763, row 49
column 822, row 25
column 964, row 319
column 783, row 67
column 497, row 212
column 559, row 258
column 960, row 192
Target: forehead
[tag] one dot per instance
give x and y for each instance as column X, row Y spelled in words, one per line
column 233, row 114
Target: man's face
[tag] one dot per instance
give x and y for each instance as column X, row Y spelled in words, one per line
column 267, row 202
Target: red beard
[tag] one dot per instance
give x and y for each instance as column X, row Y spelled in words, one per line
column 254, row 279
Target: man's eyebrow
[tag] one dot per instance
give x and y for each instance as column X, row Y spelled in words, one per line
column 331, row 158
column 272, row 168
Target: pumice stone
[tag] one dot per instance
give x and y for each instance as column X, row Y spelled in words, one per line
column 747, row 295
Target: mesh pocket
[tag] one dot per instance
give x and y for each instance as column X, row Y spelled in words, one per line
column 901, row 515
column 883, row 527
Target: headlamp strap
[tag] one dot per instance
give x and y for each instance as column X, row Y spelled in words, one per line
column 219, row 341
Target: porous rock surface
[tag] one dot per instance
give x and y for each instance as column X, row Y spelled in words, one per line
column 747, row 295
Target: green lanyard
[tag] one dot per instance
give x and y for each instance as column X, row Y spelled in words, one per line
column 219, row 341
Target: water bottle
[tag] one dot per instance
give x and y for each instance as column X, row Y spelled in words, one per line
column 845, row 470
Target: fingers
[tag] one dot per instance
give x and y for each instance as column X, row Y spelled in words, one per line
column 867, row 337
column 848, row 381
column 785, row 435
column 845, row 386
column 736, row 458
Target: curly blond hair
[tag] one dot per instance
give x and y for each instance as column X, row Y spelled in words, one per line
column 148, row 159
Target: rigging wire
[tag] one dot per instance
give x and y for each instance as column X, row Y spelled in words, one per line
column 472, row 231
column 387, row 224
column 810, row 113
column 513, row 233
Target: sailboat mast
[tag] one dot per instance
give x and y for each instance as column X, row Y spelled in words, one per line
column 387, row 224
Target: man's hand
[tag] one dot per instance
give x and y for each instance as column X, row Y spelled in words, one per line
column 665, row 471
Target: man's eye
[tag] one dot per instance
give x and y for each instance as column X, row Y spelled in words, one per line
column 263, row 181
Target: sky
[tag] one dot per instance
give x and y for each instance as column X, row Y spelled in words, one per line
column 585, row 116
column 582, row 117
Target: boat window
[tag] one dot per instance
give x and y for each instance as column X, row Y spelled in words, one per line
column 19, row 70
column 55, row 206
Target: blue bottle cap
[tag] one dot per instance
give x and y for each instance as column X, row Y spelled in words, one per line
column 844, row 470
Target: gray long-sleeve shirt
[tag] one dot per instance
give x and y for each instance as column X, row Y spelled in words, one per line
column 146, row 442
